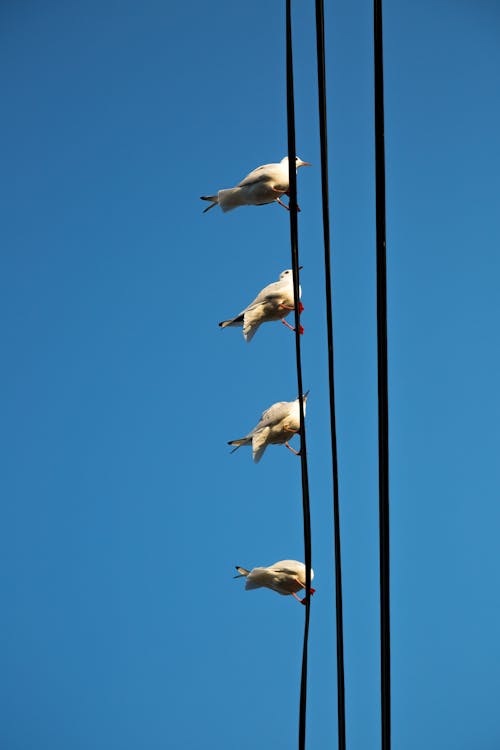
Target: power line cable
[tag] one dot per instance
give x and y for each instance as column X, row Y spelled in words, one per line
column 294, row 242
column 320, row 47
column 383, row 390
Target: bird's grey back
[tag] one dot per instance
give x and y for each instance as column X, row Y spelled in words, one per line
column 258, row 174
column 269, row 292
column 275, row 414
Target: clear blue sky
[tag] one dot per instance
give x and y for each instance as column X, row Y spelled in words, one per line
column 123, row 512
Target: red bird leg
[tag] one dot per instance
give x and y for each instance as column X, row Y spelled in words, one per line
column 287, row 192
column 302, row 601
column 296, row 453
column 303, row 586
column 282, row 204
column 287, row 307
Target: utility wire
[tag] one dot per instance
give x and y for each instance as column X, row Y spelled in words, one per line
column 383, row 390
column 320, row 47
column 303, row 448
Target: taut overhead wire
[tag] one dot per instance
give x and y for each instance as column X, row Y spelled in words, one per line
column 303, row 447
column 320, row 47
column 383, row 389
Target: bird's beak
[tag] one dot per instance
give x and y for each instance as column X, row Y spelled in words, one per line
column 301, row 163
column 300, row 268
column 306, row 394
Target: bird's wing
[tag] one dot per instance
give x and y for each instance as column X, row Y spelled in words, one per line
column 257, row 578
column 265, row 304
column 265, row 172
column 274, row 414
column 252, row 319
column 268, row 293
column 259, row 443
column 290, row 567
column 285, row 571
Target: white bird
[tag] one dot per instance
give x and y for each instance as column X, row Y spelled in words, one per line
column 265, row 184
column 277, row 425
column 274, row 302
column 285, row 577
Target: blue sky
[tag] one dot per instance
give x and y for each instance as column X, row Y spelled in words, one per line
column 123, row 512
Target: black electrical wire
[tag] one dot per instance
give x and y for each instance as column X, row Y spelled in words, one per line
column 303, row 448
column 383, row 390
column 320, row 47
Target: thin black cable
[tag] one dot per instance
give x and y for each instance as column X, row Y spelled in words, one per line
column 320, row 47
column 383, row 389
column 303, row 448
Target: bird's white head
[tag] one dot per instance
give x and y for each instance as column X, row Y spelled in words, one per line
column 288, row 274
column 296, row 404
column 298, row 162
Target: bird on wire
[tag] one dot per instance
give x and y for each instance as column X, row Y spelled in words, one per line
column 285, row 577
column 265, row 184
column 277, row 425
column 274, row 302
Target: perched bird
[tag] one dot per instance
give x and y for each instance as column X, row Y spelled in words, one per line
column 285, row 577
column 277, row 425
column 274, row 302
column 265, row 184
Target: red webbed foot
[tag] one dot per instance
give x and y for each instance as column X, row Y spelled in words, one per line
column 303, row 601
column 287, row 324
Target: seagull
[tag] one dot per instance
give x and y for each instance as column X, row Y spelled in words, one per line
column 277, row 425
column 274, row 302
column 285, row 577
column 265, row 184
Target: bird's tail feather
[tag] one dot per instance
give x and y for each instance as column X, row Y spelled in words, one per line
column 213, row 198
column 239, row 443
column 243, row 572
column 238, row 321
